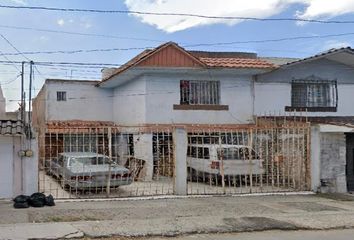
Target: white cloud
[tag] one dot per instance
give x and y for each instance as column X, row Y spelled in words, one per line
column 241, row 8
column 321, row 8
column 22, row 2
column 334, row 44
column 43, row 39
column 82, row 22
column 85, row 22
column 61, row 22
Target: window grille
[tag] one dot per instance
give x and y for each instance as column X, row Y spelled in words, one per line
column 61, row 96
column 200, row 92
column 314, row 93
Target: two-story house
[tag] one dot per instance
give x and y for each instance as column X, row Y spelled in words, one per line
column 169, row 86
column 164, row 86
column 322, row 88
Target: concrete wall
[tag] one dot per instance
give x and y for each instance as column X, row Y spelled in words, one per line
column 6, row 167
column 129, row 103
column 143, row 150
column 315, row 158
column 84, row 101
column 333, row 162
column 17, row 175
column 39, row 108
column 164, row 91
column 2, row 104
column 273, row 90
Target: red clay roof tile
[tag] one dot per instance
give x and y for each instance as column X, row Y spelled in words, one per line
column 237, row 63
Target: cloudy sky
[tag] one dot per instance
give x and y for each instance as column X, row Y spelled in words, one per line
column 48, row 31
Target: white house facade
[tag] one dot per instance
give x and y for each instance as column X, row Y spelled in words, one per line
column 171, row 86
column 321, row 88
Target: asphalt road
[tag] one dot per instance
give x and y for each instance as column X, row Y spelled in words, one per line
column 345, row 234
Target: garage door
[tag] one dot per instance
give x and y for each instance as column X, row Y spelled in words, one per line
column 6, row 167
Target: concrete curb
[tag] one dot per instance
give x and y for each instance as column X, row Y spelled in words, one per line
column 184, row 197
column 39, row 231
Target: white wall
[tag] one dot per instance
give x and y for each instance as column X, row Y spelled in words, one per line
column 84, row 101
column 6, row 167
column 143, row 150
column 164, row 91
column 273, row 90
column 2, row 104
column 17, row 175
column 129, row 103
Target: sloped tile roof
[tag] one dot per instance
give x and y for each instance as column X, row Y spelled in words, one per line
column 11, row 127
column 207, row 59
column 238, row 63
column 323, row 54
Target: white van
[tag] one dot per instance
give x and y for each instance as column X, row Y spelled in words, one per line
column 235, row 159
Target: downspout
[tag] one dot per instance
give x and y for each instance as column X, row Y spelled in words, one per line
column 253, row 94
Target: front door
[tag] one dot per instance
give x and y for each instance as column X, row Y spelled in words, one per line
column 350, row 161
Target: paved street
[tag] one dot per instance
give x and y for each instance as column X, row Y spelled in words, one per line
column 345, row 234
column 178, row 216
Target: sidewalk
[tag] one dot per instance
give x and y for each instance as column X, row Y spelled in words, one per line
column 170, row 217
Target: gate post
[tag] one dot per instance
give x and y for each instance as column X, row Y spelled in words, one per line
column 180, row 142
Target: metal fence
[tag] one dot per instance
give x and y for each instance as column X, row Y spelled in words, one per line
column 106, row 162
column 255, row 159
column 99, row 162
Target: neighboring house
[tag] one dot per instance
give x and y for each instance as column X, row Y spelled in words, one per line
column 18, row 173
column 322, row 88
column 169, row 85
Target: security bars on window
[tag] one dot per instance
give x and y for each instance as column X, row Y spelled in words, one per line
column 200, row 92
column 314, row 93
column 61, row 96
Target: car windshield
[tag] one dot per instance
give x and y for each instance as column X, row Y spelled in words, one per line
column 235, row 153
column 90, row 160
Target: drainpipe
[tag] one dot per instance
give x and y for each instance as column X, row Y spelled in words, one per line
column 253, row 94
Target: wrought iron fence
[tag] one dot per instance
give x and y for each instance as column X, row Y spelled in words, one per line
column 97, row 162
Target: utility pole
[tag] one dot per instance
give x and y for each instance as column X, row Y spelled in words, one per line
column 30, row 100
column 22, row 94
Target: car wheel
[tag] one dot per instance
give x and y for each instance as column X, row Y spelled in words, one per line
column 63, row 185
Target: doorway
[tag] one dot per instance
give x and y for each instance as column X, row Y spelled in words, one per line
column 350, row 161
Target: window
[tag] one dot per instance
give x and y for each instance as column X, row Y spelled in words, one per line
column 198, row 152
column 61, row 96
column 313, row 95
column 61, row 161
column 89, row 161
column 200, row 92
column 236, row 154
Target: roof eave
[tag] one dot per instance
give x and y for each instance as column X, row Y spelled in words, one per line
column 318, row 56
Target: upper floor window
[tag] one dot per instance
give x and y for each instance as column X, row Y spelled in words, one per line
column 200, row 92
column 61, row 96
column 314, row 95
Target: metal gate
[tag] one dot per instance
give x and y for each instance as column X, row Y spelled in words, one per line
column 272, row 156
column 99, row 162
column 111, row 161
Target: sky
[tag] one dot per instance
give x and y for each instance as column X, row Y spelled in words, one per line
column 42, row 31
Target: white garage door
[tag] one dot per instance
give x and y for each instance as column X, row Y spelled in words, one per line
column 6, row 167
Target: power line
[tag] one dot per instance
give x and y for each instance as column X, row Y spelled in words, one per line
column 79, row 51
column 18, row 51
column 80, row 33
column 271, row 40
column 66, row 63
column 173, row 14
column 10, row 81
column 185, row 46
column 8, row 61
